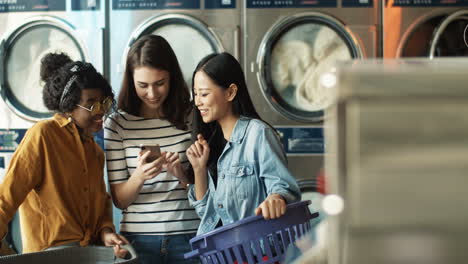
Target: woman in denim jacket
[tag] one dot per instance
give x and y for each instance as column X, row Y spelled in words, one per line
column 240, row 169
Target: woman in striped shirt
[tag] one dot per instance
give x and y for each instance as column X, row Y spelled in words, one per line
column 154, row 105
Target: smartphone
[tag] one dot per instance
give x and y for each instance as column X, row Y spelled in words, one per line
column 154, row 149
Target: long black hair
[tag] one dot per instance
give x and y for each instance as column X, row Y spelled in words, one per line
column 155, row 52
column 223, row 69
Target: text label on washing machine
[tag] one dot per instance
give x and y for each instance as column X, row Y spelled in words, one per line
column 302, row 140
column 357, row 3
column 78, row 5
column 290, row 3
column 428, row 3
column 155, row 4
column 7, row 6
column 10, row 139
column 217, row 4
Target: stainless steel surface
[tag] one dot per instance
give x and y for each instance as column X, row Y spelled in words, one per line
column 398, row 155
column 259, row 24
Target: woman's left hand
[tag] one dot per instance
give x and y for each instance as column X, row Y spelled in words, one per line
column 111, row 239
column 174, row 166
column 273, row 207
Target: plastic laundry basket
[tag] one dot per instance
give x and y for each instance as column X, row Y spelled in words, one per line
column 71, row 255
column 253, row 239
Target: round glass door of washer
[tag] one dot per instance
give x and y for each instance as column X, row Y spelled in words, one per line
column 190, row 39
column 22, row 62
column 295, row 56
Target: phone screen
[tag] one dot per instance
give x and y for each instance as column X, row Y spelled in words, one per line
column 155, row 152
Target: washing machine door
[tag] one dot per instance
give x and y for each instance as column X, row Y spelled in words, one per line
column 293, row 57
column 21, row 52
column 309, row 191
column 447, row 36
column 179, row 30
column 438, row 36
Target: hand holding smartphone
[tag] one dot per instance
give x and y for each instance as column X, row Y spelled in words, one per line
column 155, row 151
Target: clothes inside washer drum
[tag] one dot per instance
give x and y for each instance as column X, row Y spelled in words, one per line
column 311, row 94
column 290, row 60
column 70, row 255
column 24, row 63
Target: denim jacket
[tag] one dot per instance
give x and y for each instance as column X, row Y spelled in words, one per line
column 251, row 167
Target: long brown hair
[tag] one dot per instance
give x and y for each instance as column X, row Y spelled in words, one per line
column 155, row 52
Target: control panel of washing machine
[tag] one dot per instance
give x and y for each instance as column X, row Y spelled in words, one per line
column 31, row 5
column 416, row 3
column 155, row 4
column 290, row 3
column 357, row 3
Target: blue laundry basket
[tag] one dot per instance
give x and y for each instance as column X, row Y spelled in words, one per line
column 253, row 239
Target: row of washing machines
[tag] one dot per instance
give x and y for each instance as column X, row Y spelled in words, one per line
column 285, row 46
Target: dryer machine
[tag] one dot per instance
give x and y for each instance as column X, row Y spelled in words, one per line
column 288, row 46
column 193, row 28
column 425, row 28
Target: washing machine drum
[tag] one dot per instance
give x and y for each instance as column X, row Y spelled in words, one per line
column 178, row 30
column 296, row 55
column 21, row 61
column 188, row 57
column 440, row 36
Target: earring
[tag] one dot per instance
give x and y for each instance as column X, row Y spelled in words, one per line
column 70, row 119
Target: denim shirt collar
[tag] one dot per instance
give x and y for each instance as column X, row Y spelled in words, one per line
column 238, row 133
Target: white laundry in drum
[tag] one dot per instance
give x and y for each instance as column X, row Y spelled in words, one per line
column 328, row 48
column 290, row 60
column 25, row 63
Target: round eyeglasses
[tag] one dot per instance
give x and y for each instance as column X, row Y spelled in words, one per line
column 98, row 107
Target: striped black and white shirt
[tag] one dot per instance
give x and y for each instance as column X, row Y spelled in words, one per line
column 162, row 207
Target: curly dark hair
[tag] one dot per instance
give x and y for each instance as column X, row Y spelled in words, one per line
column 155, row 52
column 57, row 70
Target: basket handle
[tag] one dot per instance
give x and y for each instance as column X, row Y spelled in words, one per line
column 312, row 216
column 198, row 251
column 192, row 254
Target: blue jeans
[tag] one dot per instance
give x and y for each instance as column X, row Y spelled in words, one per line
column 168, row 249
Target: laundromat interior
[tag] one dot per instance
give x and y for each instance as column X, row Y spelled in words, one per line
column 369, row 99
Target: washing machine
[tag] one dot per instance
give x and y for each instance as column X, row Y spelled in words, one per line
column 193, row 28
column 425, row 28
column 289, row 45
column 29, row 30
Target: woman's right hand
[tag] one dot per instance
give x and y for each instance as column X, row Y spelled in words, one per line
column 198, row 153
column 148, row 170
